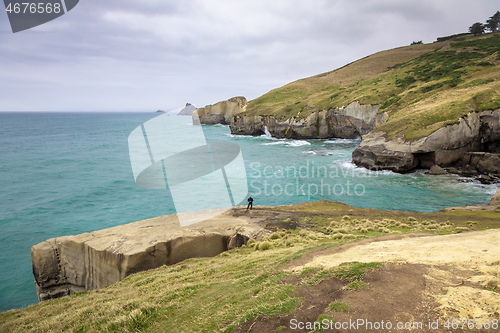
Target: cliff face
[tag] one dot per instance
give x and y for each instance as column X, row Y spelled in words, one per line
column 450, row 145
column 220, row 113
column 69, row 264
column 350, row 122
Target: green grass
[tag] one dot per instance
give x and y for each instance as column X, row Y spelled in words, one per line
column 352, row 271
column 318, row 323
column 340, row 307
column 356, row 285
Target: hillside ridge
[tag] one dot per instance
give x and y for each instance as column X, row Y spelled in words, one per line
column 414, row 107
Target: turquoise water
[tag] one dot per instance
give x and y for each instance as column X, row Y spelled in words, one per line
column 65, row 174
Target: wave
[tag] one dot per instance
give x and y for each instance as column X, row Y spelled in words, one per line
column 352, row 166
column 239, row 136
column 342, row 141
column 292, row 143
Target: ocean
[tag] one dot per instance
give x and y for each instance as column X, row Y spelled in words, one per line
column 70, row 173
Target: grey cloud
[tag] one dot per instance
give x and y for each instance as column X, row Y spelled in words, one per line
column 150, row 54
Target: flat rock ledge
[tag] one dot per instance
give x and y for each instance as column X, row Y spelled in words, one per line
column 69, row 264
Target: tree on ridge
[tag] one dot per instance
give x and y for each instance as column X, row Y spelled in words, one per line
column 477, row 28
column 493, row 23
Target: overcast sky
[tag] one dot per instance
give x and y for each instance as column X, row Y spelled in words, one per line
column 144, row 55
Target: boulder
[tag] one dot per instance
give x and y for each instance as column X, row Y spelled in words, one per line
column 437, row 170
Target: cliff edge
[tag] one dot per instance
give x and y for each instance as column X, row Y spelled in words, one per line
column 70, row 264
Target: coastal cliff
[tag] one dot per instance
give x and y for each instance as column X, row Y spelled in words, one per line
column 469, row 143
column 349, row 122
column 221, row 112
column 70, row 264
column 417, row 106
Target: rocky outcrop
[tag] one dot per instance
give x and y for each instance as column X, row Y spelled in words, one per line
column 445, row 147
column 482, row 162
column 495, row 200
column 187, row 110
column 349, row 122
column 69, row 264
column 220, row 113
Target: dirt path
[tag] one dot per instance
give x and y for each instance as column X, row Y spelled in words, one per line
column 478, row 250
column 426, row 281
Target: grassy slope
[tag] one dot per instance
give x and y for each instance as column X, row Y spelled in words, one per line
column 422, row 87
column 217, row 294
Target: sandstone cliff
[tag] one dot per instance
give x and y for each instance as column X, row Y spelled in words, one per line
column 450, row 145
column 349, row 122
column 220, row 113
column 69, row 264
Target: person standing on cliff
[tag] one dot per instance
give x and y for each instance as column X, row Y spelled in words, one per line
column 250, row 203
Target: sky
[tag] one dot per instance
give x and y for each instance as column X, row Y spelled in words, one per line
column 145, row 55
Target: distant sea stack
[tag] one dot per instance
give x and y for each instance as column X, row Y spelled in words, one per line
column 187, row 110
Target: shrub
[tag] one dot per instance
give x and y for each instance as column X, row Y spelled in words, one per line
column 348, row 236
column 405, row 82
column 390, row 102
column 485, row 64
column 265, row 246
column 275, row 236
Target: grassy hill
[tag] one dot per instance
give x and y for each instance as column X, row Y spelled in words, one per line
column 422, row 87
column 263, row 282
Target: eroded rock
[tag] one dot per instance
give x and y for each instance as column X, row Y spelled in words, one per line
column 69, row 264
column 349, row 122
column 448, row 146
column 221, row 112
